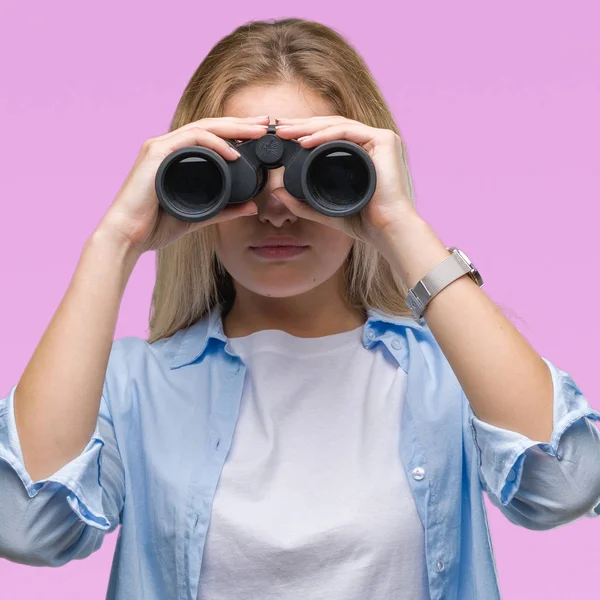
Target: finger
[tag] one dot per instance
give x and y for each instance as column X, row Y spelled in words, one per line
column 242, row 120
column 350, row 225
column 358, row 133
column 225, row 128
column 290, row 120
column 233, row 211
column 195, row 136
column 296, row 130
column 301, row 208
column 210, row 136
column 228, row 213
column 226, row 125
column 261, row 119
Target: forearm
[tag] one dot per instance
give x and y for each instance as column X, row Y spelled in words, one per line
column 58, row 396
column 506, row 382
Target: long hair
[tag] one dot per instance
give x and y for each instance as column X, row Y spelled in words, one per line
column 190, row 280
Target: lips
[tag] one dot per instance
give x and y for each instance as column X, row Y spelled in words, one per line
column 278, row 252
column 279, row 246
column 279, row 242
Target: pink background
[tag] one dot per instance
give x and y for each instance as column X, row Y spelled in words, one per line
column 498, row 106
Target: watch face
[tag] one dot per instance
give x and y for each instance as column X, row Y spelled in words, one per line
column 465, row 257
column 474, row 272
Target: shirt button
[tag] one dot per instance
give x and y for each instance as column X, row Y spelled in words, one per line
column 511, row 476
column 418, row 473
column 396, row 344
column 370, row 334
column 438, row 566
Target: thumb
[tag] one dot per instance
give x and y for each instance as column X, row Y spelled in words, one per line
column 227, row 213
column 293, row 204
column 302, row 209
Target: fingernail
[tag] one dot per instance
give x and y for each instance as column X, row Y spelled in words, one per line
column 234, row 152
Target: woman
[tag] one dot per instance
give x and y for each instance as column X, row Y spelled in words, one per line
column 290, row 429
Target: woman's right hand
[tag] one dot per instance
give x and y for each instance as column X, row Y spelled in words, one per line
column 135, row 215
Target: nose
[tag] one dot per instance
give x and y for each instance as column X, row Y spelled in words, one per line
column 270, row 208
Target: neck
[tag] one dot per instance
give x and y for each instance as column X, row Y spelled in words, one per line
column 316, row 313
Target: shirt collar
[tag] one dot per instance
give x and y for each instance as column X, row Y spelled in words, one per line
column 189, row 344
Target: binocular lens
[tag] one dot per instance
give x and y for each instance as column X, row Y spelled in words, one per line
column 338, row 179
column 194, row 183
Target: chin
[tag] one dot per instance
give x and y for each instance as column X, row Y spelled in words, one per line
column 280, row 289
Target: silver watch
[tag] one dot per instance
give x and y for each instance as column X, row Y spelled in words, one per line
column 451, row 268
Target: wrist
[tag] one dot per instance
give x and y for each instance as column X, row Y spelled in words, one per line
column 413, row 249
column 116, row 244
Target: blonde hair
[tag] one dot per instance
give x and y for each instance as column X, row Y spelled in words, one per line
column 190, row 279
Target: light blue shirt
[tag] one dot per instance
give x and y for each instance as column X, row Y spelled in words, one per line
column 166, row 422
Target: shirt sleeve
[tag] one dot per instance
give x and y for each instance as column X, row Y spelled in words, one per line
column 65, row 515
column 543, row 485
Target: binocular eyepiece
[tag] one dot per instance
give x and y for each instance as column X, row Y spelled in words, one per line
column 337, row 178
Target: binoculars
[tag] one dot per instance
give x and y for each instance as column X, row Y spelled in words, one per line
column 337, row 178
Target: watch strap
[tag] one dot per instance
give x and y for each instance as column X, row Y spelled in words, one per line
column 442, row 275
column 446, row 272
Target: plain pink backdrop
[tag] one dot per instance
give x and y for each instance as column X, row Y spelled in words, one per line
column 499, row 109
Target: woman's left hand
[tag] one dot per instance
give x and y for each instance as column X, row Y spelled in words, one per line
column 390, row 204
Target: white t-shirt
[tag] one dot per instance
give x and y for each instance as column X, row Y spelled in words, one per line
column 313, row 502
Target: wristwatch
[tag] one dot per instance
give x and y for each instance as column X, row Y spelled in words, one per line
column 451, row 268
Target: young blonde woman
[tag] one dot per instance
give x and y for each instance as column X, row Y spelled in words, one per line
column 290, row 429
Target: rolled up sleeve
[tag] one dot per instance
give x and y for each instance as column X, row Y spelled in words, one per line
column 543, row 485
column 65, row 515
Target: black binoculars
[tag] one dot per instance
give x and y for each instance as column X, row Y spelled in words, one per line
column 337, row 178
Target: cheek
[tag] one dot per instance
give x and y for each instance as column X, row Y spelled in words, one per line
column 226, row 236
column 334, row 249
